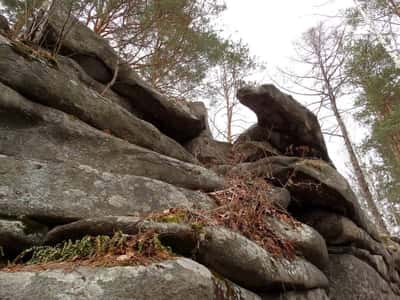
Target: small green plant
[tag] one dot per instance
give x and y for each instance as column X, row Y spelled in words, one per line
column 68, row 250
column 136, row 249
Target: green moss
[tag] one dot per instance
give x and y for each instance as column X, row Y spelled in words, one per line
column 172, row 218
column 84, row 248
column 197, row 227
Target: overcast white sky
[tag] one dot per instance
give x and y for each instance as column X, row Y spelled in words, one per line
column 270, row 27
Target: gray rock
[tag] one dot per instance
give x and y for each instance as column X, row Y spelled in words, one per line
column 71, row 67
column 199, row 109
column 99, row 60
column 16, row 235
column 316, row 294
column 47, row 85
column 4, row 25
column 68, row 191
column 282, row 114
column 351, row 278
column 209, row 151
column 339, row 230
column 107, row 225
column 375, row 261
column 252, row 151
column 180, row 279
column 279, row 197
column 312, row 183
column 34, row 131
column 306, row 240
column 249, row 265
column 226, row 252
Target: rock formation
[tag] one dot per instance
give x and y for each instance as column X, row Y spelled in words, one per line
column 77, row 161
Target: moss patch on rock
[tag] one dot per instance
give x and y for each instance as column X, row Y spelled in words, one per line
column 102, row 250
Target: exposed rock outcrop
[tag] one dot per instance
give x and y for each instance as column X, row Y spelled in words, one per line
column 61, row 192
column 42, row 83
column 351, row 278
column 85, row 165
column 177, row 279
column 100, row 61
column 288, row 125
column 40, row 132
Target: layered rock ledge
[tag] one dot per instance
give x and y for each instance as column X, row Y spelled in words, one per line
column 268, row 217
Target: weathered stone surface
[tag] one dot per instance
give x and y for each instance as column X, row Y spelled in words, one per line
column 249, row 265
column 107, row 225
column 209, row 151
column 312, row 183
column 339, row 230
column 34, row 131
column 67, row 191
column 226, row 252
column 4, row 25
column 199, row 109
column 239, row 259
column 15, row 235
column 316, row 294
column 175, row 279
column 280, row 113
column 306, row 240
column 252, row 151
column 351, row 278
column 279, row 197
column 394, row 249
column 375, row 261
column 45, row 84
column 99, row 60
column 72, row 68
column 255, row 133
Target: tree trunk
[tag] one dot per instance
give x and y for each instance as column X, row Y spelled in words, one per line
column 362, row 182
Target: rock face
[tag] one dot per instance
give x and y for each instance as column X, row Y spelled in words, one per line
column 17, row 235
column 351, row 278
column 79, row 160
column 39, row 132
column 290, row 125
column 46, row 85
column 178, row 279
column 100, row 61
column 312, row 182
column 50, row 190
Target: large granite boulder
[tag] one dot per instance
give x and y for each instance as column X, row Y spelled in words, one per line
column 60, row 192
column 47, row 85
column 351, row 278
column 249, row 151
column 174, row 279
column 204, row 147
column 226, row 252
column 242, row 261
column 306, row 240
column 313, row 183
column 31, row 130
column 339, row 230
column 279, row 113
column 100, row 61
column 209, row 151
column 279, row 197
column 377, row 262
